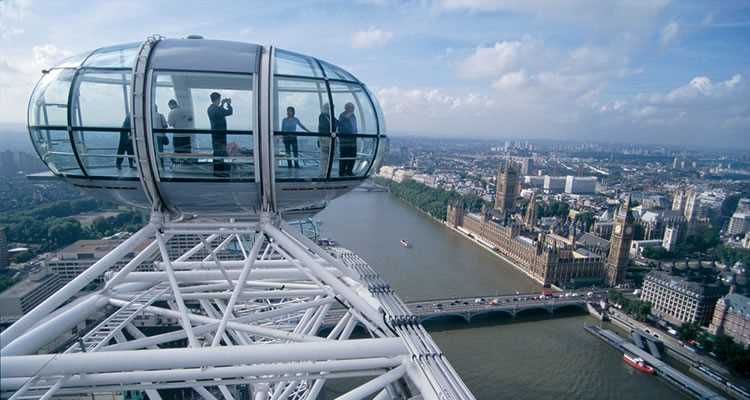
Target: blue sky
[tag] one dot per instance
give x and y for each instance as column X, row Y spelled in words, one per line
column 654, row 71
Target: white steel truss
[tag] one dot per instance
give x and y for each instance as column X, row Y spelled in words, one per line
column 225, row 308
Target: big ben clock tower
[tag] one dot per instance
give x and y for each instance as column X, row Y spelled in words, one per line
column 619, row 245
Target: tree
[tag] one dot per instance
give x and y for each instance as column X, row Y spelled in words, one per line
column 688, row 331
column 62, row 232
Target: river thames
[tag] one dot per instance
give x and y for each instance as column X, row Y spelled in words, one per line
column 534, row 357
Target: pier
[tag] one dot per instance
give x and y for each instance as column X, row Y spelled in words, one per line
column 663, row 370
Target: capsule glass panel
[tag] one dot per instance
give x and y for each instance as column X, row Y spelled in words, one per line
column 334, row 72
column 302, row 129
column 288, row 63
column 101, row 99
column 101, row 123
column 353, row 156
column 73, row 61
column 55, row 149
column 359, row 118
column 121, row 56
column 378, row 112
column 49, row 103
column 106, row 153
column 197, row 140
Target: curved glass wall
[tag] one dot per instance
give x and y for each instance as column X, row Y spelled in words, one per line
column 48, row 122
column 79, row 119
column 326, row 125
column 197, row 139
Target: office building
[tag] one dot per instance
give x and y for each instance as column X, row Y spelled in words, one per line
column 679, row 300
column 580, row 184
column 20, row 298
column 739, row 224
column 554, row 184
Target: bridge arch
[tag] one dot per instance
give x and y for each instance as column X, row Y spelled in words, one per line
column 570, row 306
column 534, row 310
column 445, row 317
column 491, row 313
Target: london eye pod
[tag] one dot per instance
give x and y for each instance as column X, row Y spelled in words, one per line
column 135, row 123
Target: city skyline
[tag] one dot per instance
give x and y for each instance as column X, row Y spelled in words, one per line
column 655, row 72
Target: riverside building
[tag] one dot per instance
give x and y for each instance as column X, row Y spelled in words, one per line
column 679, row 300
column 547, row 258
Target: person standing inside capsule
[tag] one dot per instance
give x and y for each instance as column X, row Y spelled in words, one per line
column 347, row 127
column 217, row 116
column 125, row 146
column 290, row 124
column 179, row 118
column 325, row 127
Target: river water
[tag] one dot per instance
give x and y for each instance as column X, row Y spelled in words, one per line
column 535, row 357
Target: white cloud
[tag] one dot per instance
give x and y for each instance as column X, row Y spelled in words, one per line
column 614, row 15
column 669, row 34
column 700, row 112
column 701, row 87
column 371, row 38
column 511, row 80
column 530, row 66
column 12, row 13
column 491, row 61
column 48, row 55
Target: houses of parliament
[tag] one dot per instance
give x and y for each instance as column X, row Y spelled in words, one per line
column 575, row 260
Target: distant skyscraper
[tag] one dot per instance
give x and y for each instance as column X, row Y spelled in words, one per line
column 692, row 206
column 678, row 203
column 619, row 245
column 4, row 257
column 507, row 188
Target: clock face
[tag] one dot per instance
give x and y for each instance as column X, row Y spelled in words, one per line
column 629, row 230
column 618, row 229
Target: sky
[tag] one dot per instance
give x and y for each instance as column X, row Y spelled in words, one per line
column 637, row 71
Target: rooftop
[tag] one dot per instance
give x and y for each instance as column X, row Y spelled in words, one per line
column 682, row 284
column 738, row 303
column 26, row 286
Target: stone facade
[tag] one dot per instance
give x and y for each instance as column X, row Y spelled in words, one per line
column 732, row 318
column 548, row 259
column 619, row 245
column 507, row 188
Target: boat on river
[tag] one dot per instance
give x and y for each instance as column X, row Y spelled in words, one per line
column 638, row 363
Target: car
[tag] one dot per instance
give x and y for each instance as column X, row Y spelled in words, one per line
column 419, row 306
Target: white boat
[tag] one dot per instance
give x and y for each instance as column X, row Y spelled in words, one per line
column 405, row 243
